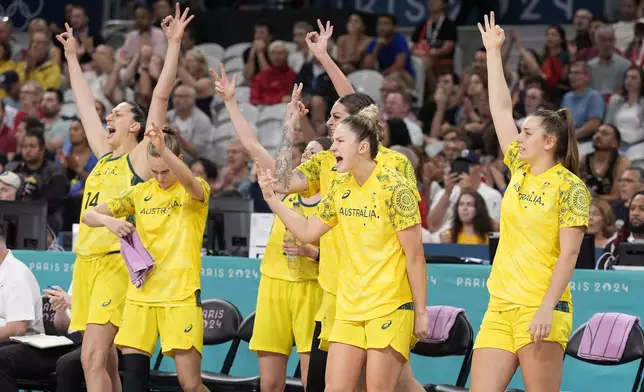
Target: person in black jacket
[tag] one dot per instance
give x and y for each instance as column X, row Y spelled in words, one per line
column 318, row 92
column 43, row 179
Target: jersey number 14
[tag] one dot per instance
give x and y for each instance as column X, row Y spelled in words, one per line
column 92, row 199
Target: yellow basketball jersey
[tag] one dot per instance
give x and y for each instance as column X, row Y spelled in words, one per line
column 171, row 225
column 372, row 280
column 275, row 264
column 109, row 177
column 320, row 171
column 533, row 211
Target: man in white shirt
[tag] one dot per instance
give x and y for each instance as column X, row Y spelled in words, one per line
column 441, row 211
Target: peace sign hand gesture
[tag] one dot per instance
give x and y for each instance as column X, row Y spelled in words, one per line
column 155, row 134
column 318, row 42
column 225, row 88
column 174, row 26
column 68, row 41
column 493, row 35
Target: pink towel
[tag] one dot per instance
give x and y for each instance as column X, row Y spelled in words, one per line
column 605, row 336
column 441, row 321
column 137, row 258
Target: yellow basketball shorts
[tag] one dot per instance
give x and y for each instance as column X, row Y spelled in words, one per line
column 99, row 285
column 285, row 315
column 180, row 326
column 326, row 317
column 508, row 330
column 395, row 329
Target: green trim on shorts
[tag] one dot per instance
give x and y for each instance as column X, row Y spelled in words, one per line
column 407, row 306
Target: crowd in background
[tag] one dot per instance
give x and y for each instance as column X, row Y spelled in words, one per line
column 438, row 118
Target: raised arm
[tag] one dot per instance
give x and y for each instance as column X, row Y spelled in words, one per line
column 175, row 164
column 225, row 89
column 83, row 96
column 173, row 27
column 305, row 230
column 318, row 43
column 499, row 94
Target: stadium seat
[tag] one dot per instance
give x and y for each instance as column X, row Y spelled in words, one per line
column 272, row 112
column 296, row 60
column 368, row 82
column 69, row 110
column 250, row 112
column 242, row 94
column 635, row 154
column 68, row 96
column 419, row 86
column 221, row 323
column 236, row 50
column 245, row 333
column 634, row 351
column 212, row 49
column 48, row 383
column 460, row 342
column 213, row 61
column 233, row 65
column 443, row 259
column 270, row 133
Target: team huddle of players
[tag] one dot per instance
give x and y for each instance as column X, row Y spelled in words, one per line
column 343, row 276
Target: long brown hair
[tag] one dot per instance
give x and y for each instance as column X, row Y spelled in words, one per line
column 560, row 124
column 482, row 222
column 171, row 143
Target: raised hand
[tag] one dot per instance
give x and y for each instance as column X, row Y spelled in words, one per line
column 493, row 35
column 68, row 41
column 266, row 182
column 155, row 134
column 225, row 88
column 174, row 26
column 295, row 108
column 318, row 42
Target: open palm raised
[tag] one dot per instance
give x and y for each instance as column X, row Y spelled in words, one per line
column 493, row 35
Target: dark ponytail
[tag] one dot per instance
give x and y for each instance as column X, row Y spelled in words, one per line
column 138, row 114
column 560, row 124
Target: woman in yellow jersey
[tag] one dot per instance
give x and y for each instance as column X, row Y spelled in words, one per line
column 471, row 222
column 289, row 294
column 100, row 277
column 316, row 175
column 382, row 284
column 170, row 212
column 544, row 214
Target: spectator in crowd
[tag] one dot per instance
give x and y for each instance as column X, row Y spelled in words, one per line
column 20, row 315
column 88, row 39
column 534, row 101
column 195, row 127
column 7, row 134
column 318, row 93
column 78, row 160
column 582, row 39
column 471, row 223
column 6, row 37
column 37, row 65
column 626, row 109
column 353, row 44
column 56, row 128
column 631, row 182
column 435, row 39
column 395, row 133
column 431, row 175
column 188, row 41
column 631, row 232
column 193, row 72
column 398, row 106
column 105, row 83
column 30, row 98
column 635, row 50
column 608, row 68
column 453, row 147
column 590, row 53
column 10, row 83
column 144, row 34
column 206, row 169
column 273, row 85
column 301, row 54
column 256, row 57
column 162, row 8
column 601, row 222
column 625, row 27
column 26, row 124
column 6, row 64
column 390, row 84
column 233, row 178
column 585, row 103
column 389, row 52
column 10, row 184
column 44, row 179
column 441, row 211
column 448, row 108
column 602, row 168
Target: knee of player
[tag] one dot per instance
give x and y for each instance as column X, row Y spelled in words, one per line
column 190, row 382
column 272, row 383
column 93, row 358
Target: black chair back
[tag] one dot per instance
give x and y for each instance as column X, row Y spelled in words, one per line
column 459, row 342
column 245, row 331
column 443, row 259
column 48, row 314
column 221, row 321
column 633, row 351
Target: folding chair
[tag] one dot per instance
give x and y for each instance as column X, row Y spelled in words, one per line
column 634, row 351
column 221, row 322
column 460, row 342
column 236, row 50
column 211, row 49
